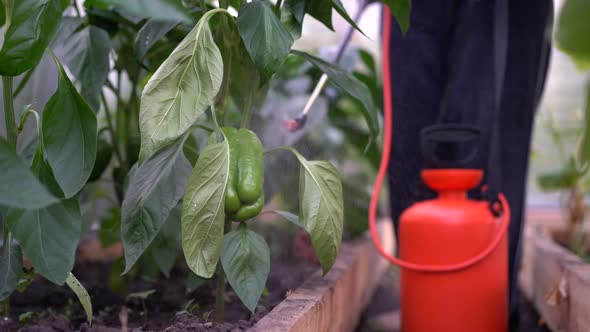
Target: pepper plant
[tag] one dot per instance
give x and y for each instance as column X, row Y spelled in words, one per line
column 177, row 144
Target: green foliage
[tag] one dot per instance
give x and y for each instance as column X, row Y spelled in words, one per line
column 20, row 188
column 85, row 52
column 180, row 90
column 267, row 40
column 154, row 190
column 10, row 269
column 48, row 237
column 246, row 261
column 351, row 85
column 31, row 27
column 82, row 295
column 321, row 207
column 573, row 29
column 164, row 10
column 203, row 215
column 176, row 71
column 69, row 135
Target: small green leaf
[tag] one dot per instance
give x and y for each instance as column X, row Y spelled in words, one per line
column 339, row 7
column 180, row 90
column 48, row 237
column 267, row 40
column 142, row 295
column 246, row 261
column 321, row 209
column 85, row 52
column 573, row 29
column 154, row 190
column 69, row 135
column 20, row 187
column 401, row 10
column 203, row 210
column 292, row 15
column 350, row 85
column 149, row 34
column 562, row 179
column 583, row 157
column 33, row 24
column 321, row 10
column 82, row 295
column 162, row 10
column 10, row 269
column 163, row 249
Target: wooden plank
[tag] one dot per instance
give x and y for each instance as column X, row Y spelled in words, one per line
column 578, row 279
column 549, row 281
column 525, row 277
column 336, row 301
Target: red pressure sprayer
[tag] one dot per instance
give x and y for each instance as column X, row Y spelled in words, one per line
column 453, row 250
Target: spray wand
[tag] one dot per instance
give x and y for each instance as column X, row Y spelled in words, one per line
column 299, row 121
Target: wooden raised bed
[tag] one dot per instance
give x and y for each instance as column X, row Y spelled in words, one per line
column 334, row 302
column 556, row 281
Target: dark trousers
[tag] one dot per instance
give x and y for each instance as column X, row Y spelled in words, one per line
column 487, row 61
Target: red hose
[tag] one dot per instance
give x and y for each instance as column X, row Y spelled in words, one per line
column 388, row 119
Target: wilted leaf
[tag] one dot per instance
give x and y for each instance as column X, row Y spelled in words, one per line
column 82, row 295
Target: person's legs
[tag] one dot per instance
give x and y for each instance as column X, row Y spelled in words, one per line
column 418, row 71
column 527, row 61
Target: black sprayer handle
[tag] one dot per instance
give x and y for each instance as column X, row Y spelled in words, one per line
column 448, row 133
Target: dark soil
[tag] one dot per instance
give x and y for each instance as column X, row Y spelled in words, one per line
column 54, row 308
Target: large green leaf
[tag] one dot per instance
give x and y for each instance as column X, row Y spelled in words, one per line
column 154, row 190
column 267, row 40
column 163, row 249
column 203, row 210
column 350, row 85
column 33, row 24
column 292, row 15
column 85, row 52
column 48, row 237
column 163, row 10
column 82, row 295
column 180, row 90
column 321, row 208
column 20, row 187
column 10, row 269
column 401, row 10
column 69, row 135
column 150, row 33
column 246, row 262
column 573, row 29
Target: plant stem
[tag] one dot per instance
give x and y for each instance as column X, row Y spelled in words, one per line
column 23, row 82
column 247, row 116
column 111, row 127
column 278, row 5
column 8, row 4
column 221, row 280
column 9, row 119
